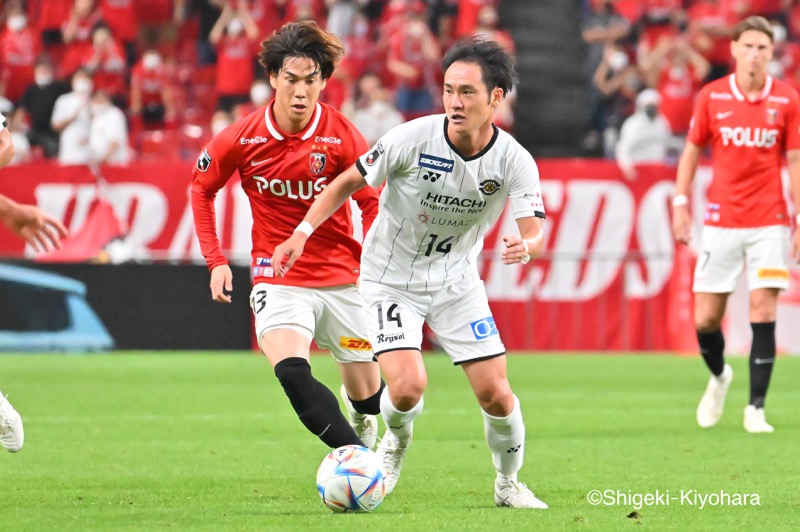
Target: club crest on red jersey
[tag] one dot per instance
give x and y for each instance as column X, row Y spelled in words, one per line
column 772, row 116
column 316, row 162
column 204, row 161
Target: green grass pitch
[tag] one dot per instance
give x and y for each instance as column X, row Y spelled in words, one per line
column 207, row 441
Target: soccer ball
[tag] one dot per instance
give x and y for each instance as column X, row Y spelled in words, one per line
column 350, row 479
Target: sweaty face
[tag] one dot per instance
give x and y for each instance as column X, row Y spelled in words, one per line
column 466, row 99
column 752, row 52
column 297, row 87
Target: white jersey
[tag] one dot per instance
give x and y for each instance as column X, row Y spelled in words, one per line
column 437, row 205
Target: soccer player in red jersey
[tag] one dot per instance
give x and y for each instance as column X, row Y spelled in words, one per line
column 750, row 119
column 286, row 153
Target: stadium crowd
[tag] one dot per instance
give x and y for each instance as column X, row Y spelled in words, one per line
column 647, row 60
column 101, row 81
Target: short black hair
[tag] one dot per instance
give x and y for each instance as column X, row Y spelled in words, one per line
column 498, row 68
column 301, row 39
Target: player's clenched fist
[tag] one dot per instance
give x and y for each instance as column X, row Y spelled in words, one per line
column 221, row 282
column 681, row 224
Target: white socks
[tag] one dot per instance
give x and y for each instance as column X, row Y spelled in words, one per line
column 506, row 439
column 400, row 423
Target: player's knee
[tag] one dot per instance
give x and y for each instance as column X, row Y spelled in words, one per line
column 406, row 393
column 294, row 374
column 496, row 400
column 706, row 324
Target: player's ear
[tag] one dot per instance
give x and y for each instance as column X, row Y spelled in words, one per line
column 324, row 83
column 273, row 81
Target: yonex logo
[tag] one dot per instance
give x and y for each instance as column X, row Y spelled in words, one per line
column 514, row 449
column 436, row 163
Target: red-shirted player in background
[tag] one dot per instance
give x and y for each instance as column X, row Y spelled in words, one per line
column 750, row 119
column 286, row 153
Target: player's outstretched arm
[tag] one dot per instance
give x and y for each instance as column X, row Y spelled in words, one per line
column 529, row 245
column 40, row 230
column 793, row 162
column 681, row 217
column 345, row 185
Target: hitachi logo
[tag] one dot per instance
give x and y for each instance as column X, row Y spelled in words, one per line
column 757, row 137
column 464, row 203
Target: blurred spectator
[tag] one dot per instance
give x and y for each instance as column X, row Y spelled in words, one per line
column 467, row 17
column 340, row 16
column 371, row 110
column 120, row 15
column 360, row 49
column 234, row 36
column 71, row 120
column 106, row 61
column 269, row 15
column 602, row 27
column 785, row 64
column 108, row 132
column 487, row 27
column 413, row 60
column 152, row 104
column 77, row 33
column 219, row 121
column 677, row 70
column 37, row 104
column 617, row 82
column 19, row 48
column 22, row 148
column 794, row 21
column 260, row 95
column 645, row 135
column 710, row 28
column 208, row 13
column 442, row 16
column 51, row 15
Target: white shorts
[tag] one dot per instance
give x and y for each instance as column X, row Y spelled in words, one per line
column 458, row 314
column 332, row 317
column 725, row 251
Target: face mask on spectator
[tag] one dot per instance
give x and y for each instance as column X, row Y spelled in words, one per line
column 360, row 29
column 235, row 27
column 151, row 61
column 775, row 69
column 778, row 33
column 43, row 78
column 651, row 111
column 16, row 22
column 217, row 126
column 259, row 93
column 416, row 29
column 618, row 60
column 82, row 85
column 99, row 108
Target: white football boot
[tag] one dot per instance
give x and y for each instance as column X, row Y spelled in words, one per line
column 515, row 494
column 365, row 425
column 391, row 452
column 755, row 422
column 11, row 434
column 713, row 402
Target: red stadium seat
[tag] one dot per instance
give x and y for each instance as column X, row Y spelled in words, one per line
column 158, row 145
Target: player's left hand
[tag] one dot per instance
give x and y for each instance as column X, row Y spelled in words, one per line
column 290, row 250
column 515, row 250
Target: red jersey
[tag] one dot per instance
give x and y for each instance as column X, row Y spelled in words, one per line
column 281, row 175
column 151, row 83
column 234, row 65
column 748, row 138
column 120, row 15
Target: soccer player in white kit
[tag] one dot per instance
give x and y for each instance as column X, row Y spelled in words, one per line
column 448, row 178
column 43, row 233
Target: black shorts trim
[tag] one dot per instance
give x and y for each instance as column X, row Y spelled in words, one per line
column 375, row 355
column 479, row 359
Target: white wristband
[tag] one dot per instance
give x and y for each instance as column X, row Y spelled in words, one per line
column 525, row 258
column 679, row 200
column 797, row 219
column 305, row 228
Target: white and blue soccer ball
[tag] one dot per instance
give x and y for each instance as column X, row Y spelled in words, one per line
column 350, row 479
